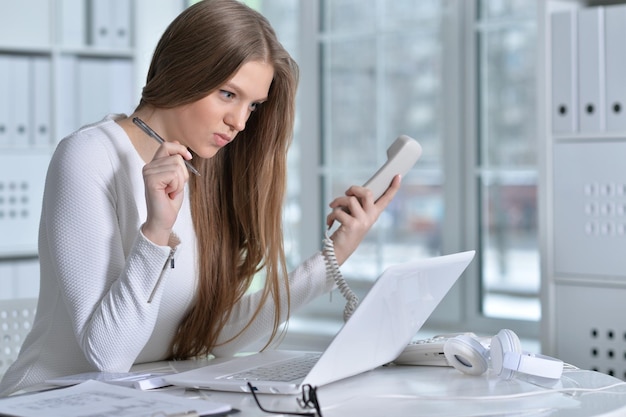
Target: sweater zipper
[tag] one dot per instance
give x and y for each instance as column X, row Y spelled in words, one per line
column 169, row 261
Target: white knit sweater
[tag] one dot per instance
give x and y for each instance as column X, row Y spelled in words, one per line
column 98, row 271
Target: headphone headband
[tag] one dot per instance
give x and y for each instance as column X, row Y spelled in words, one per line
column 534, row 364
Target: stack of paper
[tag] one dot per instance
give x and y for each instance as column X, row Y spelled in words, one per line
column 94, row 398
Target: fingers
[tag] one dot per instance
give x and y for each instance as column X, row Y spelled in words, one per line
column 359, row 201
column 164, row 178
column 172, row 149
column 352, row 205
column 357, row 212
column 390, row 192
column 168, row 177
column 167, row 170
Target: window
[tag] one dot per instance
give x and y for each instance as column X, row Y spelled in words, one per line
column 381, row 74
column 460, row 78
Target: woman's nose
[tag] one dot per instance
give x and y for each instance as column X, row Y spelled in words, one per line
column 237, row 118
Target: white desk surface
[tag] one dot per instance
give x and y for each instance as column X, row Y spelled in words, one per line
column 415, row 391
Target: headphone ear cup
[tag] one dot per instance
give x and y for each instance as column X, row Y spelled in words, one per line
column 505, row 342
column 467, row 355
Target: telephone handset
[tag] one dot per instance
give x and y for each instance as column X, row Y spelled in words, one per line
column 401, row 156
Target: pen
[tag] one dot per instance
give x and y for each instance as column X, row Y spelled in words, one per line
column 143, row 126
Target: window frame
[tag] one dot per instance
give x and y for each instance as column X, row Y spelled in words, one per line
column 475, row 318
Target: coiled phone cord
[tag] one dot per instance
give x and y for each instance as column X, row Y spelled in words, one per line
column 332, row 269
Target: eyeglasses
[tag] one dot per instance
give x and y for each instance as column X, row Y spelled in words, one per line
column 308, row 400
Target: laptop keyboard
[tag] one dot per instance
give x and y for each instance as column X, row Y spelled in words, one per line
column 288, row 370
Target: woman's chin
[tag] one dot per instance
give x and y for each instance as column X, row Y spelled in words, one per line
column 206, row 153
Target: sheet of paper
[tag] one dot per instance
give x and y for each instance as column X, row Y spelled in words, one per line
column 94, row 398
column 139, row 380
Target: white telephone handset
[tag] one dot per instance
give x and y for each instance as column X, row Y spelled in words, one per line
column 401, row 156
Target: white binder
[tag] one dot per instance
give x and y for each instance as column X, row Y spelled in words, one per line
column 25, row 23
column 615, row 42
column 121, row 23
column 93, row 90
column 122, row 93
column 73, row 27
column 66, row 101
column 564, row 72
column 41, row 98
column 19, row 101
column 4, row 100
column 591, row 84
column 100, row 27
column 104, row 87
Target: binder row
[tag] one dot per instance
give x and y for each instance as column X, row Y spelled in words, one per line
column 90, row 88
column 52, row 81
column 87, row 90
column 589, row 70
column 99, row 23
column 25, row 99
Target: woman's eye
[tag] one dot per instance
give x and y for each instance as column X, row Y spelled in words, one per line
column 227, row 94
column 254, row 106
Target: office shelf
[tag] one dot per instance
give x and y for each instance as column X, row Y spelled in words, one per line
column 584, row 195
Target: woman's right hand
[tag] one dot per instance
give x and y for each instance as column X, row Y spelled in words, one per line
column 164, row 178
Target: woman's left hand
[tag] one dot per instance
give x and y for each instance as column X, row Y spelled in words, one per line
column 357, row 212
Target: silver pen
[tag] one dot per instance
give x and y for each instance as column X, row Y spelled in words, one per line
column 143, row 126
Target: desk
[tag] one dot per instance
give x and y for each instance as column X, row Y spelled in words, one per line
column 445, row 392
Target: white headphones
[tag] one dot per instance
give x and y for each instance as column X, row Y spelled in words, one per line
column 469, row 356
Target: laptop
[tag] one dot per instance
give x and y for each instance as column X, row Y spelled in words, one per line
column 394, row 309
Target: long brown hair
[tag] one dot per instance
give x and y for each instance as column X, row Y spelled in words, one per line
column 236, row 204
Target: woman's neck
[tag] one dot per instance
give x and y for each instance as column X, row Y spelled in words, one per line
column 143, row 144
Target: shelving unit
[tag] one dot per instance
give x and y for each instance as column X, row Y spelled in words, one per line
column 63, row 63
column 54, row 42
column 584, row 210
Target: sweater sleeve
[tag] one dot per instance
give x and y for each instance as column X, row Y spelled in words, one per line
column 105, row 291
column 306, row 282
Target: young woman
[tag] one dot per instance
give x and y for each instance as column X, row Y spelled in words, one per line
column 141, row 260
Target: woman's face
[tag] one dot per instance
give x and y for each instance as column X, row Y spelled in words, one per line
column 212, row 122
